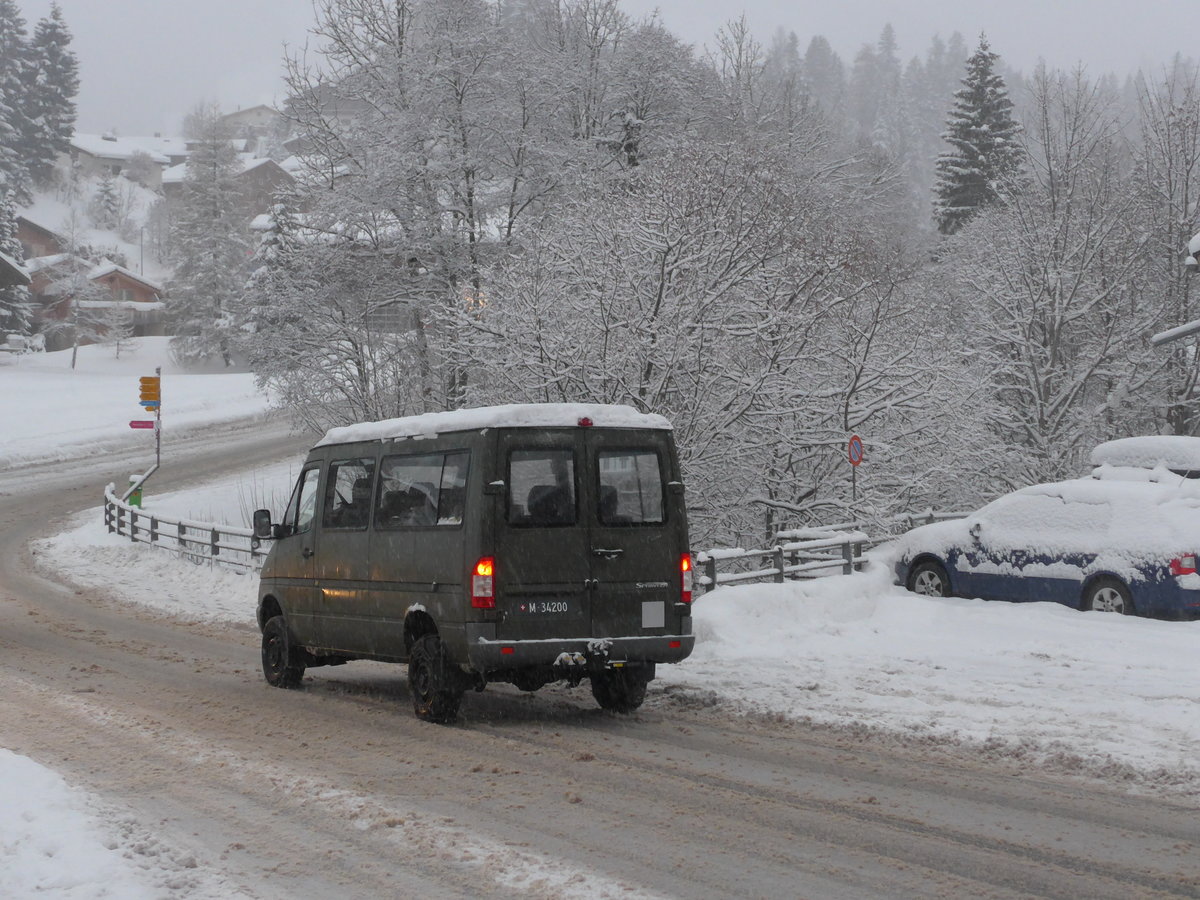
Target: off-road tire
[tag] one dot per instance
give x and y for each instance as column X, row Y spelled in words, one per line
column 437, row 689
column 282, row 661
column 621, row 690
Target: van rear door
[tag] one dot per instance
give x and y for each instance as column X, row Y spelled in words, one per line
column 635, row 536
column 542, row 549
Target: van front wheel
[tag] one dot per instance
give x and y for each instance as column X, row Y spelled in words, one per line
column 436, row 689
column 621, row 690
column 282, row 660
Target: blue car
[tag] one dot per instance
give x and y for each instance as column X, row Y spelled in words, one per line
column 1123, row 540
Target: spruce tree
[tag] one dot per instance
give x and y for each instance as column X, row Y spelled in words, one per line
column 983, row 152
column 52, row 103
column 15, row 307
column 16, row 77
column 210, row 244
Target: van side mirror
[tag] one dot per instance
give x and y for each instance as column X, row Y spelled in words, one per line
column 262, row 525
column 675, row 488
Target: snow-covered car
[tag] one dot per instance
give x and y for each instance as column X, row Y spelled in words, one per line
column 1124, row 539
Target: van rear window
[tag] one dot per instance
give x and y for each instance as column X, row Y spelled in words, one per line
column 631, row 487
column 421, row 491
column 541, row 487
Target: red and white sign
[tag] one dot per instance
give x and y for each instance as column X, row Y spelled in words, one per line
column 142, row 423
column 855, row 450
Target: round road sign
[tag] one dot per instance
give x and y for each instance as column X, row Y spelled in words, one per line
column 855, row 450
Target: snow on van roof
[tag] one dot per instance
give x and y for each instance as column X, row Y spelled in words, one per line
column 1172, row 451
column 515, row 415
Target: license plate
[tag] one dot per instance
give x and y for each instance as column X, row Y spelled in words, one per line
column 544, row 608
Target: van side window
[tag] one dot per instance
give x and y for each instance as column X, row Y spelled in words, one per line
column 348, row 493
column 631, row 487
column 301, row 508
column 541, row 487
column 428, row 489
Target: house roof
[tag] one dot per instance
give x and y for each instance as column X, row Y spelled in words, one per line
column 38, row 263
column 108, row 146
column 11, row 271
column 37, row 226
column 109, row 268
column 176, row 174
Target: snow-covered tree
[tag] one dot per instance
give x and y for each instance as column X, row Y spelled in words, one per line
column 1051, row 284
column 55, row 73
column 16, row 127
column 984, row 153
column 718, row 288
column 1168, row 168
column 105, row 206
column 211, row 246
column 14, row 301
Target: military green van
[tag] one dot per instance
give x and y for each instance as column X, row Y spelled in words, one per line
column 526, row 544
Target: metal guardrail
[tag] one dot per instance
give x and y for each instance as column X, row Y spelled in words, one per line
column 226, row 545
column 837, row 549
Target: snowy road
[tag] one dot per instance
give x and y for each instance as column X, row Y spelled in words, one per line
column 337, row 787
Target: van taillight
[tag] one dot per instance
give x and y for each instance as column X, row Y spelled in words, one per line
column 685, row 571
column 1184, row 565
column 483, row 584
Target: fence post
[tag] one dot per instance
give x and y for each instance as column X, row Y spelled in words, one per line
column 108, row 516
column 216, row 536
column 153, row 529
column 777, row 561
column 182, row 534
column 847, row 558
column 710, row 571
column 133, row 526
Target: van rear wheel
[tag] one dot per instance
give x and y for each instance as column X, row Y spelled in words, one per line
column 622, row 690
column 436, row 688
column 282, row 660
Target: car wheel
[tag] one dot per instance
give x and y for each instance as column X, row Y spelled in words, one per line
column 1108, row 595
column 929, row 578
column 282, row 660
column 436, row 690
column 621, row 690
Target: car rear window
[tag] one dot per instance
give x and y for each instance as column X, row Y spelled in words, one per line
column 541, row 487
column 631, row 487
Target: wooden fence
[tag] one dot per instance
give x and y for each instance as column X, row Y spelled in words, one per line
column 226, row 545
column 824, row 553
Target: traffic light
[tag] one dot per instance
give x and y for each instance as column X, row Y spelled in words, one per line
column 151, row 391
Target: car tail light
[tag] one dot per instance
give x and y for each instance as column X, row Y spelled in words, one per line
column 685, row 572
column 483, row 583
column 1184, row 565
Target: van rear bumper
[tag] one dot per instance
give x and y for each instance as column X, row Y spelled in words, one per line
column 487, row 654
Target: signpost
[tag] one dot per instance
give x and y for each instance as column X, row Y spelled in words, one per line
column 150, row 399
column 854, row 452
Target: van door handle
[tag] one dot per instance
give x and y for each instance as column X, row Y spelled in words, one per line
column 607, row 554
column 306, row 552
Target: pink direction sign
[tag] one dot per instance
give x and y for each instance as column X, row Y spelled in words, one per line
column 855, row 450
column 142, row 423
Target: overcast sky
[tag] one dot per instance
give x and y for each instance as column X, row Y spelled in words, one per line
column 145, row 64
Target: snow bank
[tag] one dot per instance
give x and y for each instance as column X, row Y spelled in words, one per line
column 52, row 411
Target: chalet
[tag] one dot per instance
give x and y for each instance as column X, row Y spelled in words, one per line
column 38, row 240
column 257, row 183
column 107, row 154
